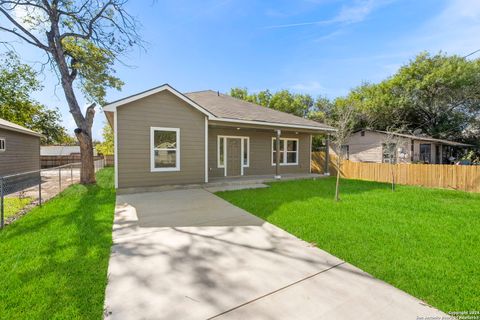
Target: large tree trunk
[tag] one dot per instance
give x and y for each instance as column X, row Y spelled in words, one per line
column 87, row 170
column 83, row 133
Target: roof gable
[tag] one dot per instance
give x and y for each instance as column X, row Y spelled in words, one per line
column 111, row 107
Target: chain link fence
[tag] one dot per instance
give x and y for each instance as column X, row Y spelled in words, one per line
column 20, row 192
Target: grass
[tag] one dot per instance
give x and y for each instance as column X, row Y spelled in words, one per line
column 14, row 204
column 423, row 241
column 53, row 261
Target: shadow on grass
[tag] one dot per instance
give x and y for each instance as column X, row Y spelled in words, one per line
column 54, row 260
column 264, row 202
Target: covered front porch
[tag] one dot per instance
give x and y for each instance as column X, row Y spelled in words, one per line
column 262, row 153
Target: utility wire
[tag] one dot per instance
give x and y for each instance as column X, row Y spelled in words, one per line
column 472, row 53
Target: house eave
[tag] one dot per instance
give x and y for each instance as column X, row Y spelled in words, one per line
column 274, row 125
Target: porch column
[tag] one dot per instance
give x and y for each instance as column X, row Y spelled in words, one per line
column 327, row 156
column 277, row 153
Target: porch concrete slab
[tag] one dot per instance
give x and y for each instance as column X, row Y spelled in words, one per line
column 187, row 254
column 236, row 187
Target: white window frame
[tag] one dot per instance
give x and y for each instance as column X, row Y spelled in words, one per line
column 242, row 139
column 152, row 149
column 4, row 144
column 283, row 162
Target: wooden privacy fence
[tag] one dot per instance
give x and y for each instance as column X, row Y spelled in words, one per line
column 109, row 160
column 466, row 178
column 56, row 161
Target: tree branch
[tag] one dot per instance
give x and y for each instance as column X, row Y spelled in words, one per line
column 33, row 40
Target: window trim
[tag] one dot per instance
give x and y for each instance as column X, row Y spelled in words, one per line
column 152, row 149
column 224, row 166
column 4, row 144
column 284, row 163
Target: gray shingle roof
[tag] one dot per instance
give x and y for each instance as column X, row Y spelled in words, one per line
column 4, row 124
column 226, row 107
column 426, row 138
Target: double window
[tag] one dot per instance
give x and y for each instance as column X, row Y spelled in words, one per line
column 288, row 151
column 2, row 144
column 165, row 149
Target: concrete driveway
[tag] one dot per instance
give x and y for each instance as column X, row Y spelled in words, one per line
column 187, row 254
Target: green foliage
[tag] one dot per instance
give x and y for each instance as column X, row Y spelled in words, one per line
column 14, row 205
column 95, row 67
column 54, row 260
column 284, row 100
column 438, row 94
column 17, row 82
column 423, row 241
column 106, row 147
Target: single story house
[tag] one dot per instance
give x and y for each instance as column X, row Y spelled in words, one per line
column 19, row 149
column 61, row 150
column 165, row 137
column 370, row 146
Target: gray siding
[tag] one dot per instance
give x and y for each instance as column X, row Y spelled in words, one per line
column 260, row 151
column 159, row 110
column 22, row 153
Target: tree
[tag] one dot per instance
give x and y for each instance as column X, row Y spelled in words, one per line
column 82, row 40
column 106, row 147
column 344, row 125
column 298, row 104
column 262, row 98
column 17, row 82
column 438, row 94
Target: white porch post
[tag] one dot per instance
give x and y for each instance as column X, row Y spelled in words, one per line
column 277, row 158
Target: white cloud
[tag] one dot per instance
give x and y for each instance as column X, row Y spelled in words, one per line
column 455, row 30
column 313, row 87
column 356, row 12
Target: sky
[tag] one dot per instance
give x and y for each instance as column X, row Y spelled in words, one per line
column 319, row 47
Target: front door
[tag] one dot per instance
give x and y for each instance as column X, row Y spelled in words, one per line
column 234, row 157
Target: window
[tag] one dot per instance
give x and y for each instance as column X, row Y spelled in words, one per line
column 2, row 144
column 426, row 153
column 389, row 153
column 288, row 151
column 246, row 152
column 222, row 152
column 165, row 148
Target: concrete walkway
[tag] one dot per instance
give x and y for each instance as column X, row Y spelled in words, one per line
column 187, row 254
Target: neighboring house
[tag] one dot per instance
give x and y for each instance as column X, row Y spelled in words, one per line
column 60, row 150
column 370, row 146
column 19, row 149
column 164, row 137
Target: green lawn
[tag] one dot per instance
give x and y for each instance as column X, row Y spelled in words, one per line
column 423, row 241
column 53, row 261
column 14, row 204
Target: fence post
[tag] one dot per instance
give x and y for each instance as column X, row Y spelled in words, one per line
column 2, row 194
